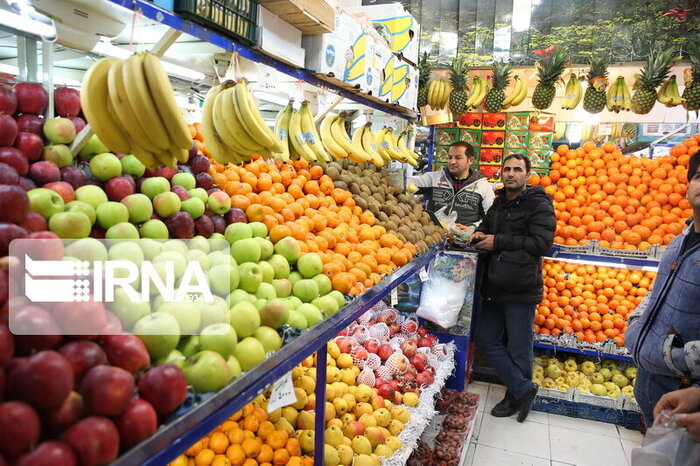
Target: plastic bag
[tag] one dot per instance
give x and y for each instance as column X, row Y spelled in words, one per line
column 442, row 297
column 666, row 444
column 449, row 222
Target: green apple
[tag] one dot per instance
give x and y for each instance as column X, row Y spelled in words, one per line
column 310, row 265
column 176, row 258
column 267, row 270
column 166, row 204
column 139, row 206
column 289, row 248
column 173, row 357
column 186, row 180
column 92, row 147
column 70, row 225
column 249, row 352
column 110, row 213
column 127, row 311
column 280, row 265
column 259, row 229
column 84, row 208
column 327, row 304
column 45, row 202
column 338, row 296
column 217, row 236
column 127, row 251
column 238, row 231
column 206, row 371
column 59, row 130
column 234, row 368
column 250, row 277
column 105, row 166
column 294, row 302
column 151, row 187
column 132, row 166
column 188, row 317
column 260, row 303
column 193, row 206
column 269, row 338
column 154, row 229
column 220, row 257
column 305, row 289
column 123, row 230
column 324, row 283
column 201, row 243
column 275, row 313
column 189, row 345
column 93, row 195
column 87, row 249
column 224, row 278
column 266, row 248
column 297, row 320
column 214, row 313
column 266, row 291
column 197, row 255
column 245, row 319
column 238, row 296
column 59, row 154
column 219, row 202
column 159, row 332
column 311, row 313
column 295, row 277
column 283, row 287
column 151, row 248
column 199, row 193
column 176, row 245
column 221, row 338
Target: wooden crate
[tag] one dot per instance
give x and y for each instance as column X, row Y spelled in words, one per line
column 309, row 16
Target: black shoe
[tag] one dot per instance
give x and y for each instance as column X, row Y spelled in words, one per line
column 526, row 403
column 504, row 408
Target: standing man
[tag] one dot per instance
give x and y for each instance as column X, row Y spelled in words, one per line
column 457, row 187
column 518, row 230
column 664, row 331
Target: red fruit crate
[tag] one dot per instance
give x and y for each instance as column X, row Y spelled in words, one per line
column 494, row 120
column 493, row 138
column 491, row 156
column 471, row 120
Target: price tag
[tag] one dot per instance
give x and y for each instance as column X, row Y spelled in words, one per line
column 282, row 393
column 605, row 130
column 423, row 274
column 394, row 296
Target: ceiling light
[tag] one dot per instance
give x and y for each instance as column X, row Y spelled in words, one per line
column 57, row 80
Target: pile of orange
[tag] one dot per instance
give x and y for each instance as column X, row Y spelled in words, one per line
column 247, row 438
column 624, row 202
column 590, row 302
column 298, row 200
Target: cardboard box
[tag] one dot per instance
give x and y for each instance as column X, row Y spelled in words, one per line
column 446, row 136
column 280, row 39
column 490, row 156
column 518, row 121
column 358, row 70
column 541, row 140
column 405, row 86
column 330, row 53
column 384, row 71
column 539, row 158
column 491, row 172
column 494, row 121
column 542, row 122
column 517, row 140
column 410, row 98
column 471, row 120
column 471, row 136
column 309, row 16
column 441, row 154
column 493, row 138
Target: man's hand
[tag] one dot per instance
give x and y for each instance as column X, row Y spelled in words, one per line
column 461, row 227
column 686, row 400
column 691, row 422
column 482, row 241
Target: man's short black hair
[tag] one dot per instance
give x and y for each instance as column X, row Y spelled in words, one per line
column 693, row 165
column 468, row 148
column 522, row 157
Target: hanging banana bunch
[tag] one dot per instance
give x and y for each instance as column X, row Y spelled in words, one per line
column 573, row 93
column 518, row 94
column 668, row 93
column 439, row 93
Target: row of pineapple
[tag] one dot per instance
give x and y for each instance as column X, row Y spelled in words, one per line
column 652, row 84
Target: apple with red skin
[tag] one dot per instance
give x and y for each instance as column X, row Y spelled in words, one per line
column 425, row 342
column 200, row 164
column 419, row 361
column 8, row 130
column 165, row 387
column 181, row 192
column 30, row 144
column 9, row 232
column 166, row 172
column 385, row 318
column 66, row 101
column 34, row 222
column 126, row 351
column 44, row 172
column 78, row 122
column 180, row 225
column 138, row 422
column 204, row 226
column 31, row 124
column 409, row 348
column 8, row 101
column 49, row 453
column 8, row 174
column 16, row 159
column 74, row 176
column 14, row 203
column 83, row 318
column 95, row 440
column 385, row 351
column 410, row 326
column 45, row 245
column 20, row 427
column 43, row 380
column 344, row 344
column 119, row 187
column 56, row 421
column 235, row 215
column 7, row 346
column 107, row 390
column 83, row 355
column 64, row 189
column 31, row 98
column 26, row 183
column 394, row 328
column 204, row 181
column 371, row 345
column 422, row 331
column 113, row 325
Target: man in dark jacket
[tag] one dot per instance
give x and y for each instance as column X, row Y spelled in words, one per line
column 518, row 230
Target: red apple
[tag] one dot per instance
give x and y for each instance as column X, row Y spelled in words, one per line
column 58, row 420
column 30, row 145
column 8, row 100
column 425, row 342
column 371, row 345
column 180, row 225
column 64, row 189
column 8, row 130
column 181, row 192
column 31, row 98
column 7, row 346
column 50, row 453
column 107, row 390
column 394, row 328
column 66, row 101
column 9, row 232
column 410, row 326
column 204, row 226
column 419, row 361
column 166, row 172
column 14, row 203
column 95, row 440
column 385, row 351
column 44, row 172
column 138, row 422
column 204, row 181
column 408, row 348
column 119, row 187
column 78, row 122
column 126, row 351
column 43, row 380
column 20, row 428
column 235, row 215
column 113, row 325
column 422, row 331
column 8, row 174
column 85, row 318
column 200, row 164
column 45, row 245
column 164, row 387
column 13, row 157
column 26, row 183
column 31, row 124
column 34, row 329
column 73, row 175
column 83, row 355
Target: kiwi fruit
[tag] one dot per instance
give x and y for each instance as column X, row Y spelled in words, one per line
column 381, row 216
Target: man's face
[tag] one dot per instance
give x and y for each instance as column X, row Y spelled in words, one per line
column 515, row 175
column 458, row 162
column 694, row 190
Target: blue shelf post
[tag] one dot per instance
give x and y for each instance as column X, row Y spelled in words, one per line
column 320, row 414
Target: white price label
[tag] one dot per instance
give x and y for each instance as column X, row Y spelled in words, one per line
column 394, row 296
column 423, row 274
column 605, row 130
column 282, row 393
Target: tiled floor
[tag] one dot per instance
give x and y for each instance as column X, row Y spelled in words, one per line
column 544, row 439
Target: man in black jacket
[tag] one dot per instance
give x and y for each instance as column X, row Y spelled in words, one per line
column 518, row 230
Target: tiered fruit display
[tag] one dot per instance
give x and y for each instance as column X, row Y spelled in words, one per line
column 603, row 378
column 591, row 302
column 549, row 68
column 623, row 202
column 654, row 72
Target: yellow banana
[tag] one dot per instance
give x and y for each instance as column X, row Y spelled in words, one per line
column 166, row 158
column 224, row 130
column 125, row 114
column 514, row 93
column 626, row 97
column 216, row 148
column 298, row 138
column 338, row 132
column 676, row 98
column 145, row 157
column 312, row 137
column 520, row 97
column 243, row 139
column 390, row 147
column 363, row 137
column 282, row 131
column 252, row 121
column 663, row 95
column 382, row 145
column 482, row 94
column 329, row 142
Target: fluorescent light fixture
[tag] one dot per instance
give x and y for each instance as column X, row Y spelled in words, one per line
column 57, row 80
column 20, row 23
column 107, row 49
column 273, row 98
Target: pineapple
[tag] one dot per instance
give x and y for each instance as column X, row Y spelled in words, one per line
column 594, row 99
column 691, row 93
column 423, row 78
column 458, row 80
column 655, row 71
column 550, row 68
column 629, row 131
column 496, row 96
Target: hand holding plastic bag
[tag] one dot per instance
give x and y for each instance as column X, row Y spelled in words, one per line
column 667, row 444
column 442, row 295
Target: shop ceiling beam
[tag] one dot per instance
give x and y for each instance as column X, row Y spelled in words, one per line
column 156, row 13
column 168, row 39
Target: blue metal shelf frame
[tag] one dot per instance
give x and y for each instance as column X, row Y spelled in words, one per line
column 566, row 349
column 173, row 439
column 174, row 21
column 559, row 254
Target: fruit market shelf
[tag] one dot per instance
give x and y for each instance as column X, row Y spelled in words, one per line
column 576, row 255
column 178, row 23
column 174, row 438
column 600, row 351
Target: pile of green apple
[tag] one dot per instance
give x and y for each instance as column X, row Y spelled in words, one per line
column 601, row 379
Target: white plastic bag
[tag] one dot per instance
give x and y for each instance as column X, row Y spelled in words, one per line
column 666, row 444
column 441, row 298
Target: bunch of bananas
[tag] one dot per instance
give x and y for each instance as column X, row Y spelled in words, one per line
column 366, row 138
column 619, row 97
column 297, row 131
column 573, row 93
column 394, row 148
column 338, row 143
column 130, row 107
column 668, row 93
column 439, row 93
column 232, row 126
column 517, row 95
column 478, row 93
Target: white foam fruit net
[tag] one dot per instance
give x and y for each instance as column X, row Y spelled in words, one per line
column 410, row 325
column 379, row 331
column 373, row 361
column 361, row 334
column 366, row 377
column 440, row 351
column 365, row 318
column 396, row 341
column 359, row 358
column 394, row 362
column 384, row 373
